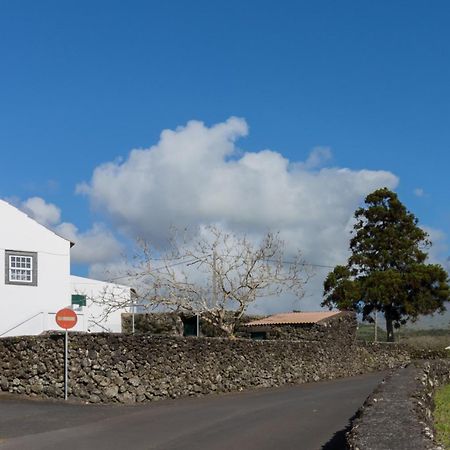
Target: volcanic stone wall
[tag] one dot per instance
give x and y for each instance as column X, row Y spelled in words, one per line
column 173, row 324
column 340, row 328
column 166, row 324
column 123, row 368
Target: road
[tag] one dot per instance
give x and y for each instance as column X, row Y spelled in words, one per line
column 307, row 417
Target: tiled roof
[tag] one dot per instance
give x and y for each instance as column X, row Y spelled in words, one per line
column 294, row 318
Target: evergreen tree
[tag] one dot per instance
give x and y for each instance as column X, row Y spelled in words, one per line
column 387, row 269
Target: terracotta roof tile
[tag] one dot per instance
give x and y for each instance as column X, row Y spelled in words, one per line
column 294, row 318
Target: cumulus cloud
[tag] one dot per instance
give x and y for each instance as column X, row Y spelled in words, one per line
column 45, row 213
column 198, row 175
column 96, row 245
column 318, row 157
column 439, row 247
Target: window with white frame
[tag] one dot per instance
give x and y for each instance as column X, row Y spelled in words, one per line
column 21, row 268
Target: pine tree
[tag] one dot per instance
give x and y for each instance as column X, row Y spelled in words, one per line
column 387, row 269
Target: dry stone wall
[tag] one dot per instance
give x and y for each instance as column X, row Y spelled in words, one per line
column 173, row 324
column 341, row 328
column 124, row 368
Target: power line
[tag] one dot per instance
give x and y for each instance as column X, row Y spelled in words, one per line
column 35, row 251
column 157, row 269
column 193, row 261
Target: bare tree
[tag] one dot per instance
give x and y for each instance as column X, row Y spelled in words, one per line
column 215, row 274
column 109, row 299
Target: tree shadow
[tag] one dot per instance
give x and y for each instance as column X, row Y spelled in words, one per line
column 338, row 441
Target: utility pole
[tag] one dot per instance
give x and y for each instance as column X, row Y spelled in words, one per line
column 197, row 317
column 376, row 326
column 214, row 280
column 132, row 316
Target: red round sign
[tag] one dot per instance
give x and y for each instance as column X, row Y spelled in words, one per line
column 66, row 318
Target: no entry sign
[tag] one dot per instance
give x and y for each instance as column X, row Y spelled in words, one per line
column 66, row 318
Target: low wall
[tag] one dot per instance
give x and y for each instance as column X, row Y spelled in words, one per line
column 173, row 324
column 121, row 368
column 399, row 414
column 340, row 328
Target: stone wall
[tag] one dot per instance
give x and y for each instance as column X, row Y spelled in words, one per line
column 398, row 414
column 173, row 324
column 340, row 328
column 166, row 324
column 123, row 368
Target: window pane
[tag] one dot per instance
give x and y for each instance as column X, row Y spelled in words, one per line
column 20, row 268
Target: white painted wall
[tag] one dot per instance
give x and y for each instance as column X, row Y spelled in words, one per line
column 30, row 310
column 96, row 291
column 19, row 303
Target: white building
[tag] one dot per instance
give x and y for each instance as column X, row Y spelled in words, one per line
column 35, row 281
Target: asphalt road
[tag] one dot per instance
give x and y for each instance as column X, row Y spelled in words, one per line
column 307, row 417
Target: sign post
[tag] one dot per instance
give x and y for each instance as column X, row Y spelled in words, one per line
column 66, row 318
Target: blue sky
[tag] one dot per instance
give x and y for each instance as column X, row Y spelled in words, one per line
column 83, row 83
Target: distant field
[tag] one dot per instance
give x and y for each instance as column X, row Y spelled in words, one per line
column 423, row 339
column 366, row 332
column 442, row 415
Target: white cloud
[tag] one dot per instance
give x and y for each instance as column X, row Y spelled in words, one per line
column 197, row 175
column 419, row 192
column 439, row 247
column 45, row 213
column 97, row 245
column 318, row 157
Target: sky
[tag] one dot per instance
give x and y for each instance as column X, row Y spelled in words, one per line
column 122, row 119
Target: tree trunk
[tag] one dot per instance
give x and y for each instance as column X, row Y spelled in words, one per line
column 389, row 327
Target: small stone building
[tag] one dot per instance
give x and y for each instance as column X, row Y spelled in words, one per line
column 308, row 326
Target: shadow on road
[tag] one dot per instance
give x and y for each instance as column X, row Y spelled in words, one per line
column 338, row 441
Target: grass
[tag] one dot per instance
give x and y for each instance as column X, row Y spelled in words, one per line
column 442, row 415
column 432, row 338
column 366, row 332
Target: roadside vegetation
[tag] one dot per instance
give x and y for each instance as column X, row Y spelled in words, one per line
column 442, row 415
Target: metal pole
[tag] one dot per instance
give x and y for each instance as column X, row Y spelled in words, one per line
column 214, row 280
column 132, row 316
column 376, row 326
column 198, row 325
column 66, row 362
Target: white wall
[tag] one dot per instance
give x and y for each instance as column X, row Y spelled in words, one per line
column 20, row 302
column 99, row 317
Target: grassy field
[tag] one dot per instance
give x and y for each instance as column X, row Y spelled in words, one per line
column 366, row 332
column 442, row 415
column 420, row 339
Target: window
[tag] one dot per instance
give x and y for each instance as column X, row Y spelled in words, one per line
column 21, row 268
